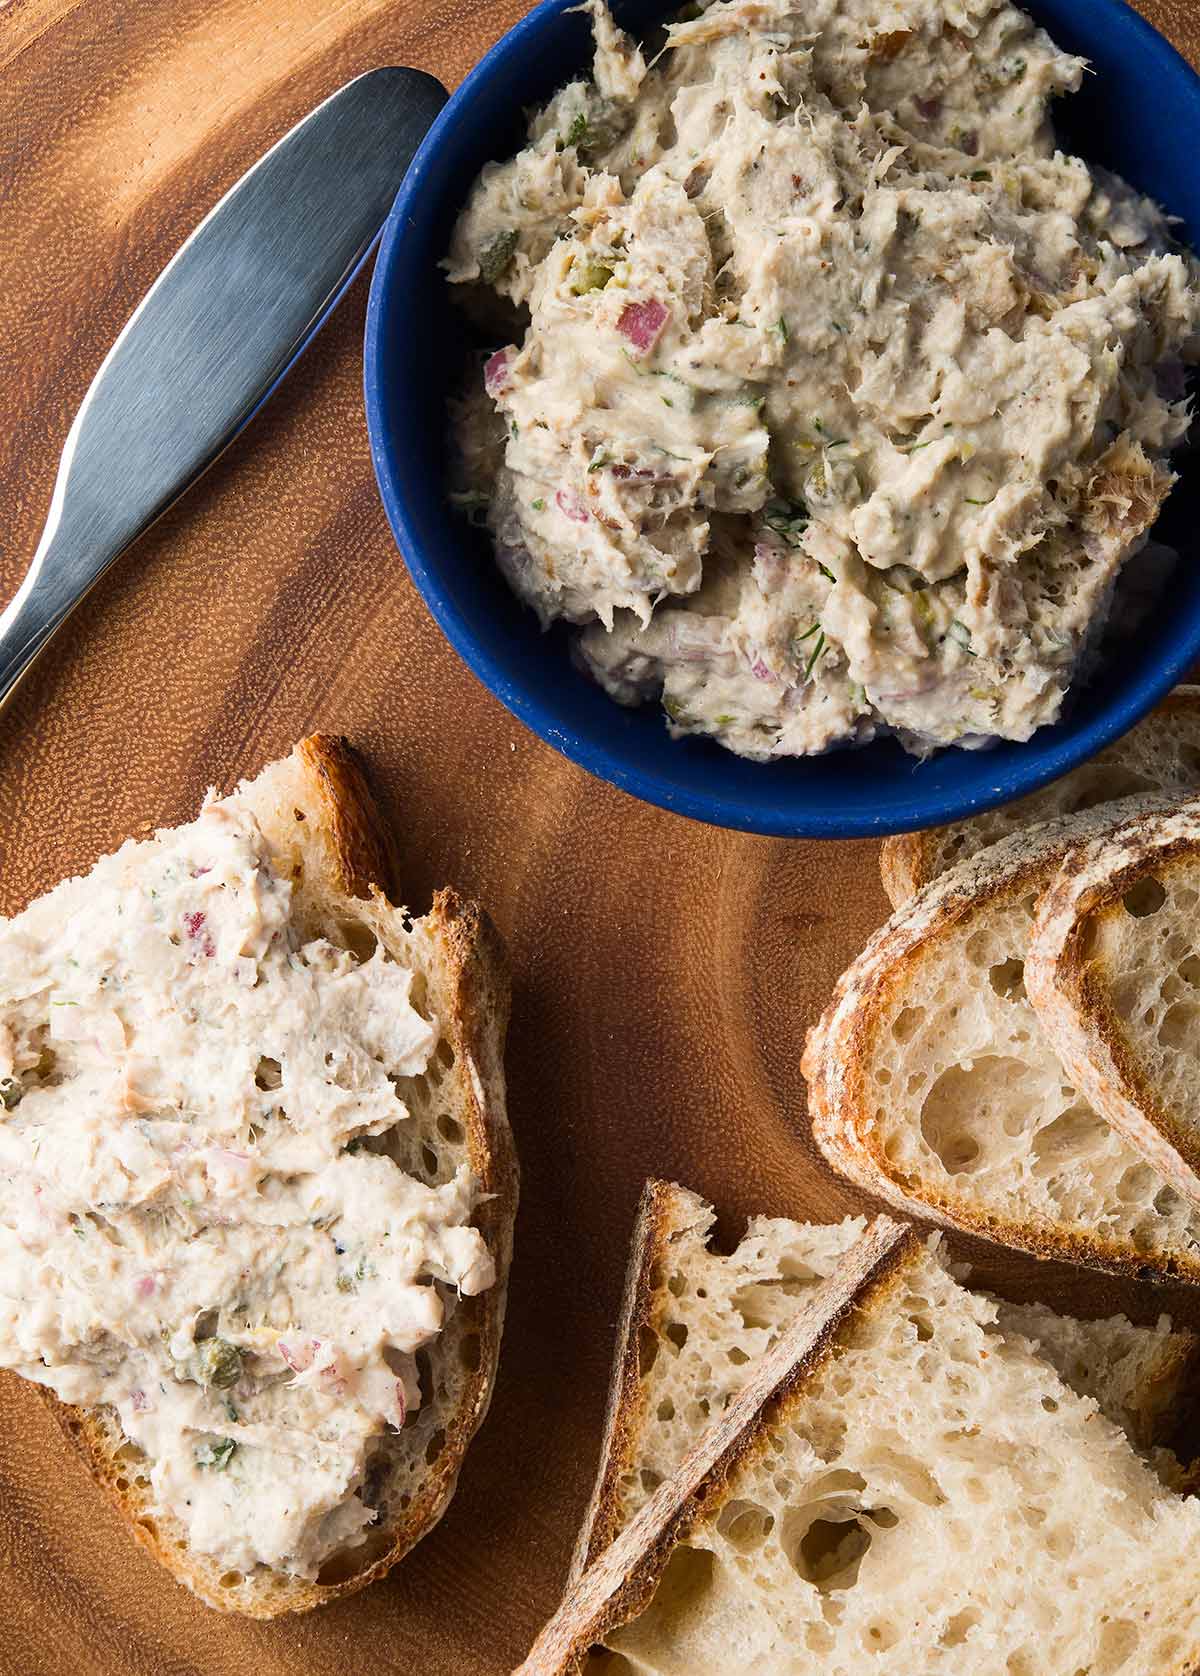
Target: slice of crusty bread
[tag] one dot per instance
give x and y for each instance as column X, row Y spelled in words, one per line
column 624, row 1577
column 694, row 1322
column 321, row 823
column 1161, row 754
column 1140, row 1377
column 1114, row 976
column 932, row 1083
column 920, row 1493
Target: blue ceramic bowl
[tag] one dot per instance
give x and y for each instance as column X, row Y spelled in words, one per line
column 1139, row 114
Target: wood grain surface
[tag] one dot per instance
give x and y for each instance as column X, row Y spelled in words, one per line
column 665, row 973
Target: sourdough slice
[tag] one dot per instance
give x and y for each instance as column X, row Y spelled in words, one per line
column 1161, row 754
column 324, row 834
column 1141, row 1378
column 932, row 1083
column 1114, row 975
column 695, row 1323
column 922, row 1494
column 623, row 1579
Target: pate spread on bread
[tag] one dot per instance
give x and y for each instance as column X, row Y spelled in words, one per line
column 219, row 1224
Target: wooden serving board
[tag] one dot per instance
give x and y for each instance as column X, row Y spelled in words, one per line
column 665, row 972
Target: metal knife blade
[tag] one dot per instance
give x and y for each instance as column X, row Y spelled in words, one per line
column 218, row 329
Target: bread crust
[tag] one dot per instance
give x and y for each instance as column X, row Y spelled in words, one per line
column 355, row 852
column 622, row 1580
column 360, row 850
column 839, row 1047
column 666, row 1210
column 911, row 860
column 1072, row 1001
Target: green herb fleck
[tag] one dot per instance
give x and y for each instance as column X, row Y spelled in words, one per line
column 781, row 326
column 981, row 174
column 577, row 133
column 817, row 653
column 216, row 1455
column 538, row 505
column 788, row 518
column 961, row 635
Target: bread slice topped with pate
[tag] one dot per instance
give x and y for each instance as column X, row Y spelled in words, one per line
column 257, row 1185
column 932, row 1082
column 695, row 1323
column 1160, row 755
column 1114, row 976
column 896, row 1486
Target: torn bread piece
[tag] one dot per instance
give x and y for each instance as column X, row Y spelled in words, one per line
column 1161, row 754
column 257, row 1185
column 1114, row 976
column 898, row 1483
column 932, row 1083
column 694, row 1323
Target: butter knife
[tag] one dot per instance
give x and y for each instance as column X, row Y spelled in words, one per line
column 217, row 331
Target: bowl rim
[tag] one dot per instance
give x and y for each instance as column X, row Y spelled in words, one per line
column 926, row 808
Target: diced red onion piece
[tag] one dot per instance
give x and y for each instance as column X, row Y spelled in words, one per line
column 570, row 504
column 145, row 1286
column 196, row 926
column 495, row 372
column 298, row 1358
column 642, row 324
column 760, row 671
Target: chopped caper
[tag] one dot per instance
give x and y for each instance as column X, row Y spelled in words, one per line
column 220, row 1363
column 589, row 276
column 496, row 255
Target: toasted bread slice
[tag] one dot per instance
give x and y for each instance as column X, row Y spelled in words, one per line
column 1161, row 754
column 694, row 1324
column 932, row 1083
column 916, row 1493
column 1114, row 976
column 324, row 834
